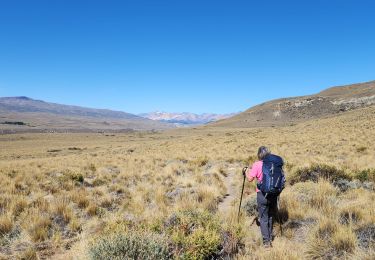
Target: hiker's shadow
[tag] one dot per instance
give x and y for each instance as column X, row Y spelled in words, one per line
column 281, row 217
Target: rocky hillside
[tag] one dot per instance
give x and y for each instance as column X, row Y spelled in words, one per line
column 288, row 111
column 23, row 114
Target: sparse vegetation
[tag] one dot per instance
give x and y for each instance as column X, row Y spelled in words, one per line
column 361, row 149
column 130, row 246
column 166, row 188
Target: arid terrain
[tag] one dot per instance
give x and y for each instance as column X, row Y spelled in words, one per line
column 287, row 111
column 175, row 194
column 143, row 130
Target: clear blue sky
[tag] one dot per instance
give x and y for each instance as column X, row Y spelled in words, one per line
column 182, row 55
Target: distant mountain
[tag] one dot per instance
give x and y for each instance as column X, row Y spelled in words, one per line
column 185, row 118
column 19, row 114
column 286, row 111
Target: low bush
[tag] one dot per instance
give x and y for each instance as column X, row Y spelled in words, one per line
column 316, row 172
column 361, row 149
column 72, row 176
column 365, row 175
column 202, row 244
column 230, row 243
column 130, row 245
column 98, row 182
column 195, row 234
column 202, row 161
column 251, row 206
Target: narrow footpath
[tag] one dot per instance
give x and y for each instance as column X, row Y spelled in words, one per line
column 231, row 199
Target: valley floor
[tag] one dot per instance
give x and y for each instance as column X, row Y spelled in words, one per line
column 83, row 195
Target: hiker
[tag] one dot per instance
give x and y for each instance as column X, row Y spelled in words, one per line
column 270, row 182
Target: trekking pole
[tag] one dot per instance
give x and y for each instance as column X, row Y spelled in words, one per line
column 278, row 216
column 243, row 186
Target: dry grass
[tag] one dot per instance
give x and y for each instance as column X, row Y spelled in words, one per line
column 52, row 202
column 6, row 224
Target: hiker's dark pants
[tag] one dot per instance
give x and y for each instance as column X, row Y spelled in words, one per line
column 267, row 209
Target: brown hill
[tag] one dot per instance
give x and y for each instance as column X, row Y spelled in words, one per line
column 23, row 114
column 287, row 111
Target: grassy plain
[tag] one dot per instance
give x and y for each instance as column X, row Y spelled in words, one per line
column 63, row 194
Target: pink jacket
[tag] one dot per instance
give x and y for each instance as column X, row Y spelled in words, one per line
column 256, row 172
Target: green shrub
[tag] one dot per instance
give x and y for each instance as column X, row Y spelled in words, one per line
column 78, row 177
column 232, row 240
column 73, row 176
column 361, row 149
column 195, row 234
column 98, row 182
column 202, row 244
column 366, row 175
column 317, row 171
column 130, row 245
column 203, row 161
column 251, row 206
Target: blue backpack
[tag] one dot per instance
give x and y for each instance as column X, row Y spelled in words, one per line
column 273, row 181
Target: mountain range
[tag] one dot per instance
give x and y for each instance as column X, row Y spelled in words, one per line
column 185, row 119
column 23, row 114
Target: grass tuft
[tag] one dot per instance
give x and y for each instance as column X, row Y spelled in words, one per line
column 6, row 224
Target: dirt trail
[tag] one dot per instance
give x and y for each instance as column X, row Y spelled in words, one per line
column 228, row 207
column 231, row 199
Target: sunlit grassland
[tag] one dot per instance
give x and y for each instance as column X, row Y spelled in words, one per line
column 60, row 193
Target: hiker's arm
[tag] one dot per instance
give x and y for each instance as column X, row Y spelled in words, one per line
column 254, row 171
column 249, row 177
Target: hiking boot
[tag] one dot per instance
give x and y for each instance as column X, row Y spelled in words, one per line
column 257, row 221
column 267, row 244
